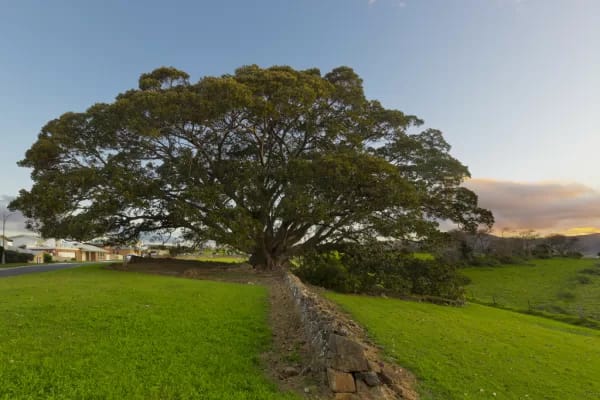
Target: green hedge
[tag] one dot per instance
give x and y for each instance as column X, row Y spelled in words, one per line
column 16, row 257
column 378, row 269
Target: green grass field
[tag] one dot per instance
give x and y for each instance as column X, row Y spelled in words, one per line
column 98, row 334
column 553, row 285
column 479, row 352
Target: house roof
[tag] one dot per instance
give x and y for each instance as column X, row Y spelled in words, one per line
column 25, row 251
column 89, row 247
column 27, row 236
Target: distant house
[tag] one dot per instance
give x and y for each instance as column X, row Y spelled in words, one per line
column 26, row 241
column 64, row 250
column 118, row 252
column 61, row 250
column 38, row 255
column 6, row 241
column 87, row 252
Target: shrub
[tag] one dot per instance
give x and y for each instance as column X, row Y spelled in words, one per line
column 566, row 295
column 574, row 254
column 326, row 270
column 376, row 269
column 47, row 258
column 584, row 280
column 590, row 271
column 16, row 257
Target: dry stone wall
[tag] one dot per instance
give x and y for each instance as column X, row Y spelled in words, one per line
column 352, row 367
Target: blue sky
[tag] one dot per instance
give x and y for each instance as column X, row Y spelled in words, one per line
column 513, row 84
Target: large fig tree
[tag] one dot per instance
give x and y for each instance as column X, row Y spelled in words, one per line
column 270, row 161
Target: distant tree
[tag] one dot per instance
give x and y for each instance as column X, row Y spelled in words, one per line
column 269, row 161
column 562, row 245
column 528, row 241
column 483, row 240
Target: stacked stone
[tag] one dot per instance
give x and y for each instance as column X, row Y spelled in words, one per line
column 350, row 374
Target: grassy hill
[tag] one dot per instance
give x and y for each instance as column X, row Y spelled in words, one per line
column 557, row 286
column 480, row 352
column 91, row 333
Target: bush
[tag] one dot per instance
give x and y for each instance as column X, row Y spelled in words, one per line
column 325, row 270
column 590, row 271
column 16, row 257
column 378, row 269
column 584, row 280
column 566, row 295
column 574, row 254
column 47, row 258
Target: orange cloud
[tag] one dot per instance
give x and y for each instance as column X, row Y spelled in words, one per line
column 547, row 207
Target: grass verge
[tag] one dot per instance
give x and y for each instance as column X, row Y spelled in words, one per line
column 97, row 334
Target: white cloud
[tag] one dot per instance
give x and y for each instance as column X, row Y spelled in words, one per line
column 15, row 224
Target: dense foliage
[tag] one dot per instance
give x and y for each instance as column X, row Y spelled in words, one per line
column 481, row 248
column 269, row 161
column 380, row 269
column 16, row 257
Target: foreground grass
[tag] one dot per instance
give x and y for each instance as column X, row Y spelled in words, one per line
column 553, row 286
column 479, row 352
column 97, row 334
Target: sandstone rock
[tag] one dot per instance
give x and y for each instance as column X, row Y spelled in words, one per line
column 340, row 382
column 288, row 372
column 366, row 392
column 346, row 355
column 346, row 396
column 369, row 377
column 375, row 366
column 388, row 375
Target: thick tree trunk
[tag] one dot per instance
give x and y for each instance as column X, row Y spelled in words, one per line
column 261, row 258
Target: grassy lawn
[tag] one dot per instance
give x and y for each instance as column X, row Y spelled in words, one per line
column 96, row 334
column 552, row 285
column 479, row 352
column 423, row 256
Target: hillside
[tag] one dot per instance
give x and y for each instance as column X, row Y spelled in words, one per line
column 560, row 286
column 479, row 352
column 589, row 245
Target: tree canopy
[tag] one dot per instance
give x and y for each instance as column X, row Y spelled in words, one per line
column 270, row 161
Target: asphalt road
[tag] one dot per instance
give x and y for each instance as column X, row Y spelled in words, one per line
column 35, row 268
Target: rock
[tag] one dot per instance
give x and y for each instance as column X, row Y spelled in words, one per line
column 366, row 392
column 340, row 382
column 347, row 355
column 369, row 377
column 375, row 366
column 288, row 372
column 346, row 396
column 388, row 375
